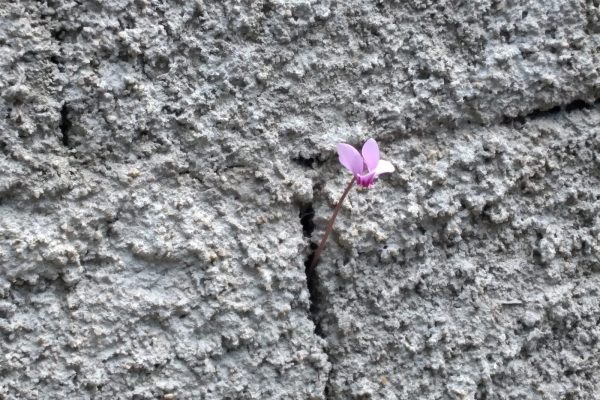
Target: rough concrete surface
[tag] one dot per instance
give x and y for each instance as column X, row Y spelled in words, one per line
column 167, row 166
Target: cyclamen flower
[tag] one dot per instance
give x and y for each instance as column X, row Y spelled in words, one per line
column 366, row 167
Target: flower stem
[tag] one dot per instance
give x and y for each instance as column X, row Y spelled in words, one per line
column 329, row 228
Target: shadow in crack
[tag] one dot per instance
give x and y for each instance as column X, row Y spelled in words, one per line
column 307, row 214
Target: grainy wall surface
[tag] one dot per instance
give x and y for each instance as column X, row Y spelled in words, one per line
column 166, row 165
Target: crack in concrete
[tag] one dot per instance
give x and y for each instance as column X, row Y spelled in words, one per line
column 65, row 125
column 313, row 283
column 307, row 214
column 575, row 105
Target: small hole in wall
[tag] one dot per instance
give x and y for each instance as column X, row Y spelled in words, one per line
column 305, row 162
column 162, row 64
column 308, row 162
column 65, row 125
column 267, row 7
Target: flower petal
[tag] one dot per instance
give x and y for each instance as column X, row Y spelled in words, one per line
column 384, row 167
column 366, row 180
column 370, row 153
column 350, row 158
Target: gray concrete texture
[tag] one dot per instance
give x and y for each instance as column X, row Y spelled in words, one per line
column 165, row 167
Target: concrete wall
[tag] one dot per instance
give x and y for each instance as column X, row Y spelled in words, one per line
column 166, row 165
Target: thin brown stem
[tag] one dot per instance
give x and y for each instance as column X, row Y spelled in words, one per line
column 329, row 228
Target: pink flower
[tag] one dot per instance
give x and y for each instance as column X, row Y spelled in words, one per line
column 366, row 167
